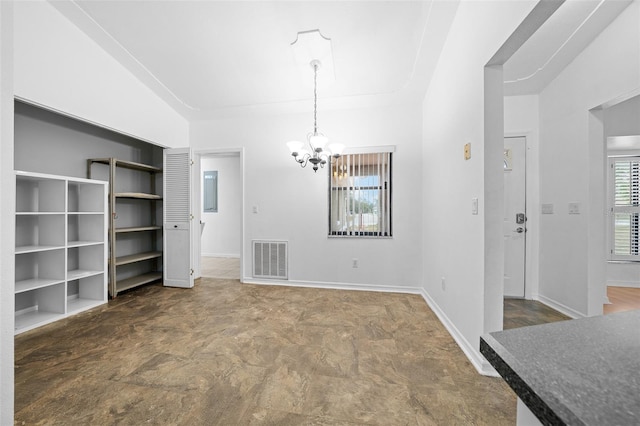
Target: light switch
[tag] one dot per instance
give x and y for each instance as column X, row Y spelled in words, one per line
column 255, row 209
column 574, row 208
column 474, row 206
column 547, row 209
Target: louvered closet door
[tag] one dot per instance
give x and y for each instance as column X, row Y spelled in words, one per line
column 178, row 258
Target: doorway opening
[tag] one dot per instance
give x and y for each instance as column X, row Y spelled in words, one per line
column 219, row 184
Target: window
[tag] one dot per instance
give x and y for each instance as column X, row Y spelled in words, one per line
column 210, row 192
column 624, row 207
column 360, row 195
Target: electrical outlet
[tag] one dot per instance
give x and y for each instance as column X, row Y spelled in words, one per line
column 444, row 285
column 354, row 263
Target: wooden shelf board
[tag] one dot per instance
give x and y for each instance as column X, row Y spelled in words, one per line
column 33, row 319
column 78, row 304
column 138, row 257
column 137, row 229
column 76, row 274
column 31, row 249
column 34, row 283
column 138, row 195
column 132, row 282
column 83, row 243
column 129, row 165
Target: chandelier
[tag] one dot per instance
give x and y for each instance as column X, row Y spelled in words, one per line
column 318, row 153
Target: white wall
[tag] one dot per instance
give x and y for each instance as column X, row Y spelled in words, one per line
column 60, row 67
column 221, row 233
column 454, row 239
column 521, row 118
column 7, row 209
column 292, row 202
column 572, row 170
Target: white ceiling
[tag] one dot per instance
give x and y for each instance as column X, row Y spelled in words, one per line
column 204, row 57
column 558, row 41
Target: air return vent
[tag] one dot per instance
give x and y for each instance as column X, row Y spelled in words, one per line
column 270, row 259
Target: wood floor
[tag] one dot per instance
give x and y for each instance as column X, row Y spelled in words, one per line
column 622, row 299
column 225, row 353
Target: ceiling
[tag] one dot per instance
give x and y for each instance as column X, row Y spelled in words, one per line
column 205, row 57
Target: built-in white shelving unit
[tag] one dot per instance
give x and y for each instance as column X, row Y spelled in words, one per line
column 145, row 263
column 61, row 247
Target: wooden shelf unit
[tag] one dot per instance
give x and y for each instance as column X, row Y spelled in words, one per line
column 60, row 259
column 149, row 230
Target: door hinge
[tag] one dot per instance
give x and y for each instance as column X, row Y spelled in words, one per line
column 191, row 271
column 192, row 163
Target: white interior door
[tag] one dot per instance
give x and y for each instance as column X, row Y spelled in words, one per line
column 178, row 249
column 515, row 221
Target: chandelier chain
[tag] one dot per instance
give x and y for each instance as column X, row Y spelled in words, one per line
column 315, row 99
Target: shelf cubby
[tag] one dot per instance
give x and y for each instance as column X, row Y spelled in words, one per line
column 84, row 229
column 85, row 293
column 85, row 198
column 39, row 269
column 35, row 232
column 37, row 193
column 39, row 306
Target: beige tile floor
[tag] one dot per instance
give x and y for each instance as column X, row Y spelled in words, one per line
column 220, row 267
column 225, row 353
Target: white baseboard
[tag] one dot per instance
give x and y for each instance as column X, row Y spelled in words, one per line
column 333, row 285
column 475, row 357
column 231, row 256
column 564, row 309
column 630, row 284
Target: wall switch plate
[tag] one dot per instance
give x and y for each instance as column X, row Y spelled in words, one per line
column 574, row 208
column 354, row 263
column 255, row 209
column 474, row 206
column 444, row 286
column 467, row 151
column 547, row 209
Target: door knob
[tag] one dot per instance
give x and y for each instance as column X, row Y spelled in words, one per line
column 519, row 229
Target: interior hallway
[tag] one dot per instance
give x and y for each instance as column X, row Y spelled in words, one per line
column 225, row 353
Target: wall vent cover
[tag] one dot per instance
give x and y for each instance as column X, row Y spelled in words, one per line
column 270, row 259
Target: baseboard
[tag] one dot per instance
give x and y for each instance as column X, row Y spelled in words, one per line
column 630, row 284
column 564, row 309
column 333, row 285
column 231, row 256
column 475, row 357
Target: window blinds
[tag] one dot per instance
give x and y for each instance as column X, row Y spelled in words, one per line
column 360, row 195
column 626, row 207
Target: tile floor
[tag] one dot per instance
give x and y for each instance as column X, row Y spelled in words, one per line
column 220, row 267
column 225, row 353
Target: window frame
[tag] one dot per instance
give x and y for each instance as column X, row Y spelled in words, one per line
column 381, row 186
column 613, row 209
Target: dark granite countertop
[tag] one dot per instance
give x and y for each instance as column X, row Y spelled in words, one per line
column 578, row 372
